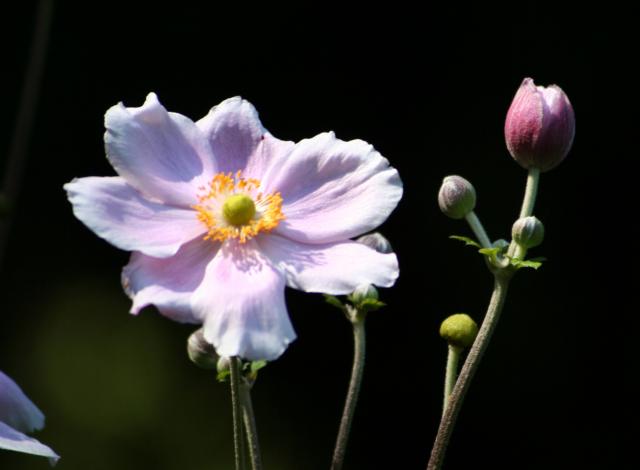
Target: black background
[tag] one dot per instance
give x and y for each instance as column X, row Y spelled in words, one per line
column 429, row 88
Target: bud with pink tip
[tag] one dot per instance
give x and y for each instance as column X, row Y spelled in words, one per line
column 540, row 126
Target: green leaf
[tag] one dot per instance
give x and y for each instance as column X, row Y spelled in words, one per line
column 257, row 365
column 334, row 301
column 223, row 376
column 533, row 263
column 490, row 251
column 370, row 305
column 467, row 241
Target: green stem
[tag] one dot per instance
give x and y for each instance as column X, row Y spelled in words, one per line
column 250, row 426
column 453, row 357
column 528, row 203
column 238, row 438
column 476, row 352
column 530, row 193
column 478, row 229
column 352, row 393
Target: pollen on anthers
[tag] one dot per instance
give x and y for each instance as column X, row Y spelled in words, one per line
column 233, row 207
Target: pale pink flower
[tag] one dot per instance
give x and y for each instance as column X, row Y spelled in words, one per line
column 19, row 415
column 220, row 216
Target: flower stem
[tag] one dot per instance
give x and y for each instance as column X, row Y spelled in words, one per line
column 451, row 374
column 357, row 321
column 530, row 193
column 448, row 421
column 478, row 229
column 31, row 85
column 238, row 438
column 250, row 425
column 528, row 203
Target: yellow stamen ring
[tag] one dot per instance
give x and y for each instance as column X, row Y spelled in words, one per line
column 232, row 207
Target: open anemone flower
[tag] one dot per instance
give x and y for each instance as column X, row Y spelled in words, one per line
column 19, row 415
column 220, row 216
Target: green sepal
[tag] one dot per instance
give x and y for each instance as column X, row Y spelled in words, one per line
column 492, row 253
column 334, row 301
column 533, row 263
column 467, row 241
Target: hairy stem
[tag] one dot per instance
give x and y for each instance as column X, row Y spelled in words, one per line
column 238, row 437
column 250, row 426
column 471, row 364
column 352, row 393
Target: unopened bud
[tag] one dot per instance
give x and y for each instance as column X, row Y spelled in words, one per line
column 364, row 292
column 459, row 330
column 457, row 197
column 528, row 232
column 223, row 366
column 540, row 126
column 201, row 352
column 376, row 241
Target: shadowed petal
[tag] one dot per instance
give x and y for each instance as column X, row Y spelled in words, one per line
column 333, row 268
column 238, row 140
column 242, row 303
column 119, row 214
column 163, row 155
column 168, row 283
column 10, row 439
column 333, row 190
column 16, row 409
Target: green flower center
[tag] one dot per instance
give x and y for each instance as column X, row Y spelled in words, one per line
column 238, row 209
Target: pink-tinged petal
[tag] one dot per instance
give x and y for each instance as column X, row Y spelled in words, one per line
column 16, row 409
column 163, row 155
column 238, row 140
column 241, row 301
column 333, row 268
column 333, row 190
column 168, row 283
column 10, row 439
column 121, row 215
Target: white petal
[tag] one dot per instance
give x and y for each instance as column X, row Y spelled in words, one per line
column 238, row 140
column 10, row 439
column 168, row 283
column 332, row 268
column 16, row 409
column 242, row 303
column 122, row 216
column 333, row 190
column 163, row 155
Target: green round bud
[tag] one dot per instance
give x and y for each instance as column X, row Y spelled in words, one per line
column 376, row 241
column 364, row 292
column 238, row 209
column 457, row 197
column 459, row 330
column 201, row 352
column 528, row 232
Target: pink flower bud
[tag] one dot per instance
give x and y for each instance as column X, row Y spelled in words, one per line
column 540, row 126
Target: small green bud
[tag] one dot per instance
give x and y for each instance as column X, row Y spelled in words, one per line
column 528, row 232
column 457, row 197
column 459, row 330
column 201, row 352
column 376, row 241
column 364, row 292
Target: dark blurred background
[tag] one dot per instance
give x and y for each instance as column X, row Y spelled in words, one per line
column 429, row 88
